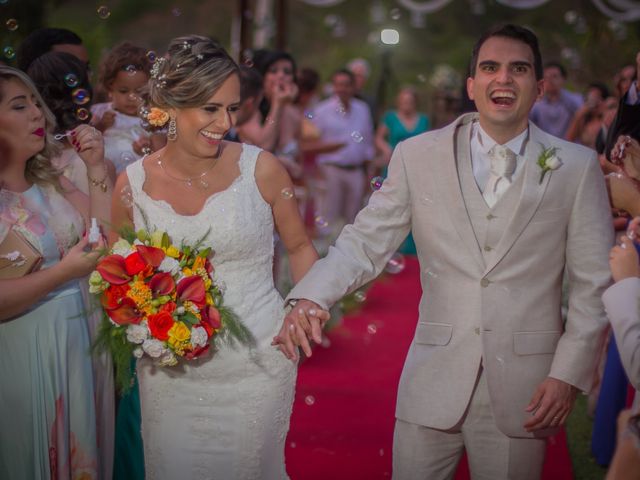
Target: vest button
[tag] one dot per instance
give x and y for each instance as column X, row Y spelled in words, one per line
column 487, row 248
column 490, row 216
column 484, row 283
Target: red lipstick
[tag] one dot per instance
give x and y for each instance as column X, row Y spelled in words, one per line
column 39, row 132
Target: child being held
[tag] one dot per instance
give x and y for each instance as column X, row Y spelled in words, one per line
column 124, row 73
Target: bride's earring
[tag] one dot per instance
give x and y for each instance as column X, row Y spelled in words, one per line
column 172, row 134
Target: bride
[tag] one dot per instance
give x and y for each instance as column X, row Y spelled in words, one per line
column 223, row 416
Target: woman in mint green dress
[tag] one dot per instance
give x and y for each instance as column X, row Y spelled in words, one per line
column 398, row 125
column 47, row 404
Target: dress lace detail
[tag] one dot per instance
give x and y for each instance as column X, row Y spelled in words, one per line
column 223, row 416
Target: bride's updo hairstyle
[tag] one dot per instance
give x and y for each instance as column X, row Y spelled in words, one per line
column 190, row 73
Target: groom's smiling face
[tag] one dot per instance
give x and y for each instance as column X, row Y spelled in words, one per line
column 504, row 87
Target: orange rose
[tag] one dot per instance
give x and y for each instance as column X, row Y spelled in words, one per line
column 113, row 295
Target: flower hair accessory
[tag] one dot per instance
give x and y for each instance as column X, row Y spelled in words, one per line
column 157, row 117
column 548, row 161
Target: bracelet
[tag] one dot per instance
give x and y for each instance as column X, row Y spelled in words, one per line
column 99, row 183
column 289, row 305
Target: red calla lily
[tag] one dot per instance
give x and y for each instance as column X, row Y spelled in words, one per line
column 113, row 269
column 211, row 318
column 152, row 256
column 196, row 352
column 162, row 284
column 125, row 313
column 192, row 289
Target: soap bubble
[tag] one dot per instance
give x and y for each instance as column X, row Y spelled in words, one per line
column 71, row 80
column 309, row 400
column 287, row 193
column 131, row 69
column 9, row 53
column 104, row 12
column 357, row 136
column 80, row 96
column 395, row 264
column 151, row 56
column 372, row 329
column 360, row 296
column 395, row 14
column 126, row 196
column 176, row 12
column 12, row 24
column 376, row 183
column 82, row 114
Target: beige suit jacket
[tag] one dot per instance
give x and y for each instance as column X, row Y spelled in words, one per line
column 504, row 311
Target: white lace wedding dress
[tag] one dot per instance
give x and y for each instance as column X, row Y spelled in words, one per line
column 224, row 416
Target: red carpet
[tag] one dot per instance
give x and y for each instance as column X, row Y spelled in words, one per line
column 343, row 415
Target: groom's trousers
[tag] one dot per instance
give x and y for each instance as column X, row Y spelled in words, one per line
column 422, row 453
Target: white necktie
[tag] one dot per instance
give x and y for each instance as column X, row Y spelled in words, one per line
column 503, row 164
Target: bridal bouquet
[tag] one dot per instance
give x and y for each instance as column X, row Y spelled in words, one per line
column 161, row 301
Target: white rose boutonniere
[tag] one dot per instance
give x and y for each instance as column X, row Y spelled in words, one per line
column 547, row 161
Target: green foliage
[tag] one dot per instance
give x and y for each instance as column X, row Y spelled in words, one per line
column 579, row 427
column 113, row 341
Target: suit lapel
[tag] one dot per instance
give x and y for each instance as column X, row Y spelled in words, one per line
column 447, row 183
column 531, row 196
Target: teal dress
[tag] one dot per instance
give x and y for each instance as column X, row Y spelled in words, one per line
column 47, row 406
column 397, row 133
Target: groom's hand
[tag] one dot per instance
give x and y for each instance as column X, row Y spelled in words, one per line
column 303, row 323
column 550, row 405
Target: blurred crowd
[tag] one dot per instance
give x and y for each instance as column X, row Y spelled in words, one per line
column 334, row 139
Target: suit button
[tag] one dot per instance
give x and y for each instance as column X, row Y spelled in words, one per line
column 490, row 217
column 487, row 248
column 484, row 283
column 477, row 330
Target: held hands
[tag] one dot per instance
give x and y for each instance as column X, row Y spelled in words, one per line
column 89, row 144
column 623, row 258
column 550, row 405
column 303, row 323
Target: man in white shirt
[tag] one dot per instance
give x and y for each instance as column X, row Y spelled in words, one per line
column 344, row 119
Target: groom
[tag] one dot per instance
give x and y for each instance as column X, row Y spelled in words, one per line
column 499, row 211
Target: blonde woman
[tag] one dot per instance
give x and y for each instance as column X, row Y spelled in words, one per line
column 224, row 415
column 47, row 407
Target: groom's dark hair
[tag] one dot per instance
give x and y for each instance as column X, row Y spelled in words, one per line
column 513, row 32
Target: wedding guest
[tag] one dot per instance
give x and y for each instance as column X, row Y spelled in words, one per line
column 627, row 121
column 251, row 94
column 62, row 79
column 498, row 372
column 124, row 73
column 396, row 126
column 47, row 408
column 587, row 121
column 621, row 302
column 226, row 414
column 45, row 40
column 343, row 119
column 361, row 70
column 626, row 460
column 555, row 110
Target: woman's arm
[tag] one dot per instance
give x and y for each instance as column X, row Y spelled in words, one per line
column 381, row 142
column 264, row 135
column 273, row 180
column 18, row 294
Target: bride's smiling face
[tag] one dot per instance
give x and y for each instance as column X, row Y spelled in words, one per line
column 201, row 129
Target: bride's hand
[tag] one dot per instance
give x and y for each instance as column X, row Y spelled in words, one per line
column 303, row 323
